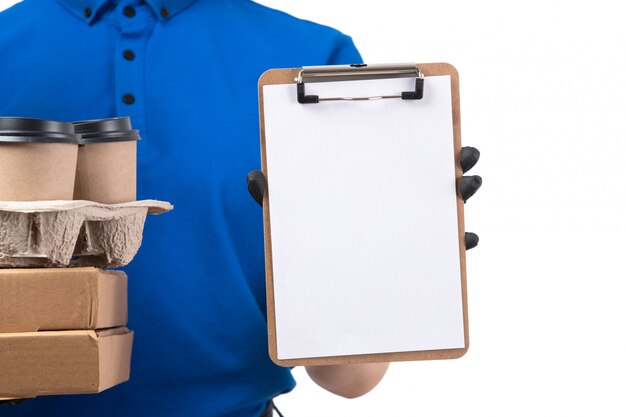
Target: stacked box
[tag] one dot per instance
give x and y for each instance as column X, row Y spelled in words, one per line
column 63, row 317
column 62, row 331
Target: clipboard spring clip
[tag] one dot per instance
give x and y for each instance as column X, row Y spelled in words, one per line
column 358, row 72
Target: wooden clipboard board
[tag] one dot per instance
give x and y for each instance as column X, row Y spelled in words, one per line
column 290, row 76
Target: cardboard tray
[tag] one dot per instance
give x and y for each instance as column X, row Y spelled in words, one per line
column 62, row 298
column 76, row 233
column 65, row 362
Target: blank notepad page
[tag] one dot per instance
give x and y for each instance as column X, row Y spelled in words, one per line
column 363, row 215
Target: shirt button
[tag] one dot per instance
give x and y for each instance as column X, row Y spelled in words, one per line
column 165, row 12
column 129, row 11
column 87, row 12
column 128, row 98
column 128, row 55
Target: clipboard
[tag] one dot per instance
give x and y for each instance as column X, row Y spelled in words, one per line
column 299, row 82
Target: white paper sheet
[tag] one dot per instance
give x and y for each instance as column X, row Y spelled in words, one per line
column 363, row 220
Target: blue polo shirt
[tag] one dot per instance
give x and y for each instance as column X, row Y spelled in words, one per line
column 186, row 73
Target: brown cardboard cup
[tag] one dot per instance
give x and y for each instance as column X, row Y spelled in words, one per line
column 37, row 159
column 107, row 161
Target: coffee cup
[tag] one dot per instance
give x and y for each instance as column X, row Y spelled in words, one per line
column 107, row 161
column 37, row 159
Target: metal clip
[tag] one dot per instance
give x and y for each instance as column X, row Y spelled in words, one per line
column 358, row 72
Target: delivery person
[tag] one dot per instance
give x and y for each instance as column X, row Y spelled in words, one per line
column 186, row 73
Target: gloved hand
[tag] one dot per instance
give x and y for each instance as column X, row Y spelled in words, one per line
column 468, row 187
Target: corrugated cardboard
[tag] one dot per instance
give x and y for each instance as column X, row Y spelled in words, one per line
column 69, row 362
column 59, row 299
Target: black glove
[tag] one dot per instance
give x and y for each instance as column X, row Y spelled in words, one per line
column 468, row 187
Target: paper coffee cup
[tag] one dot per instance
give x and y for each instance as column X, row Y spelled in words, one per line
column 37, row 159
column 107, row 161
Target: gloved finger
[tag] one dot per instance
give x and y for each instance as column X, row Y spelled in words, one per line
column 469, row 185
column 471, row 240
column 256, row 185
column 469, row 157
column 12, row 402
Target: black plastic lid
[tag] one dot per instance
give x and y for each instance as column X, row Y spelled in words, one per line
column 23, row 129
column 117, row 129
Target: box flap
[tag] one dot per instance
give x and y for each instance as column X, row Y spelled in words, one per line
column 112, row 300
column 115, row 353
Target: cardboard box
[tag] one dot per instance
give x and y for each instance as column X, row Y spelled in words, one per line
column 62, row 298
column 66, row 362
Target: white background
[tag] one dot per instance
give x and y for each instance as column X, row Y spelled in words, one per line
column 543, row 95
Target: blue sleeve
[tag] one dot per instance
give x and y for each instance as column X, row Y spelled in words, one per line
column 344, row 52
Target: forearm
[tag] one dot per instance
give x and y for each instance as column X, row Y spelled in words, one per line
column 349, row 381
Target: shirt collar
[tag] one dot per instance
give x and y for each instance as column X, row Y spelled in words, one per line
column 87, row 10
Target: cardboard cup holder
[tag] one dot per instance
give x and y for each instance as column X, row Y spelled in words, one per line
column 72, row 233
